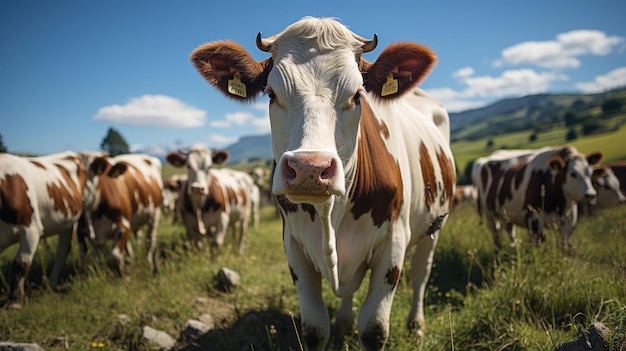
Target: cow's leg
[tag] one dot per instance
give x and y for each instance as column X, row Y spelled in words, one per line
column 512, row 232
column 421, row 264
column 243, row 232
column 29, row 239
column 373, row 321
column 221, row 230
column 116, row 257
column 313, row 313
column 152, row 238
column 63, row 249
column 493, row 226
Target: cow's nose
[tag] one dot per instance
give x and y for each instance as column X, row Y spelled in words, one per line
column 309, row 174
column 197, row 188
column 590, row 197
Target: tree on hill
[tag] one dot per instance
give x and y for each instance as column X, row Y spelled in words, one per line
column 114, row 143
column 2, row 147
column 611, row 106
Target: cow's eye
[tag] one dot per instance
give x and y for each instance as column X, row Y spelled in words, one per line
column 271, row 95
column 357, row 98
column 573, row 175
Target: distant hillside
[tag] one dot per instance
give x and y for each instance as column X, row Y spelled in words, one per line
column 524, row 113
column 251, row 148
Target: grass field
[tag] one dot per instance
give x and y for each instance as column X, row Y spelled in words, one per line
column 522, row 299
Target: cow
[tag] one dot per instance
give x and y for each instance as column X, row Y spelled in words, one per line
column 465, row 193
column 619, row 169
column 536, row 190
column 212, row 201
column 171, row 192
column 123, row 194
column 363, row 171
column 607, row 186
column 39, row 197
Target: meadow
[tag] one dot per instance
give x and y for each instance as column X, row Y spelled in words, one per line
column 521, row 299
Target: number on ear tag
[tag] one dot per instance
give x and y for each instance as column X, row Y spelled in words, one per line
column 236, row 87
column 390, row 87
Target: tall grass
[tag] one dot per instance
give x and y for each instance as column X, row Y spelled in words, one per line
column 521, row 299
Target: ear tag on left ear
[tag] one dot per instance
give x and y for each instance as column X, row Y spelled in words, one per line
column 390, row 87
column 236, row 87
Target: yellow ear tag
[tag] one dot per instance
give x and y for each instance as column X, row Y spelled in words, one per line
column 236, row 87
column 390, row 87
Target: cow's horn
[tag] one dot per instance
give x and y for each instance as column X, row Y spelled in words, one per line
column 263, row 44
column 368, row 44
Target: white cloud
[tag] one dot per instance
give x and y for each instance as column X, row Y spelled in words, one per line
column 513, row 82
column 463, row 72
column 222, row 140
column 560, row 53
column 154, row 110
column 613, row 79
column 480, row 89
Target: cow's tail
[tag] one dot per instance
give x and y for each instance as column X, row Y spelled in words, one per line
column 330, row 247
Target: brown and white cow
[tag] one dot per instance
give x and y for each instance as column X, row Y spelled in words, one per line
column 123, row 195
column 536, row 190
column 212, row 201
column 39, row 197
column 171, row 192
column 363, row 170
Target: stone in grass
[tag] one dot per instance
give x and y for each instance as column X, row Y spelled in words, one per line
column 227, row 279
column 14, row 346
column 161, row 338
column 195, row 329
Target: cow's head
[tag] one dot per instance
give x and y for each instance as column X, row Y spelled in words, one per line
column 575, row 169
column 318, row 86
column 199, row 161
column 607, row 186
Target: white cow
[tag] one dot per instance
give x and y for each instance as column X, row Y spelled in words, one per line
column 39, row 197
column 363, row 171
column 212, row 201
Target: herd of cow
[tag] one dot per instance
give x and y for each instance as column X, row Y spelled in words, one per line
column 103, row 198
column 363, row 172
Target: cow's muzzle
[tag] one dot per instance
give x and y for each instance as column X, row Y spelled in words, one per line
column 309, row 176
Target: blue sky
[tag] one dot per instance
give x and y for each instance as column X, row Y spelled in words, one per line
column 69, row 70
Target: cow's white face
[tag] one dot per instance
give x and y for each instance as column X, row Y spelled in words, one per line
column 199, row 162
column 314, row 115
column 577, row 185
column 607, row 186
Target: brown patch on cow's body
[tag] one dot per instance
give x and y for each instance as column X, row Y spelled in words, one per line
column 216, row 201
column 448, row 175
column 393, row 276
column 37, row 164
column 428, row 174
column 15, row 206
column 67, row 198
column 545, row 192
column 511, row 181
column 377, row 185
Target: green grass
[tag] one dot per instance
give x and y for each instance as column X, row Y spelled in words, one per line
column 523, row 299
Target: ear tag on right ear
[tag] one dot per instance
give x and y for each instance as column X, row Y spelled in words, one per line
column 390, row 87
column 236, row 87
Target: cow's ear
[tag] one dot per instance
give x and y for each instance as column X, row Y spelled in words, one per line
column 220, row 157
column 99, row 165
column 398, row 69
column 229, row 67
column 176, row 159
column 595, row 158
column 117, row 170
column 556, row 163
